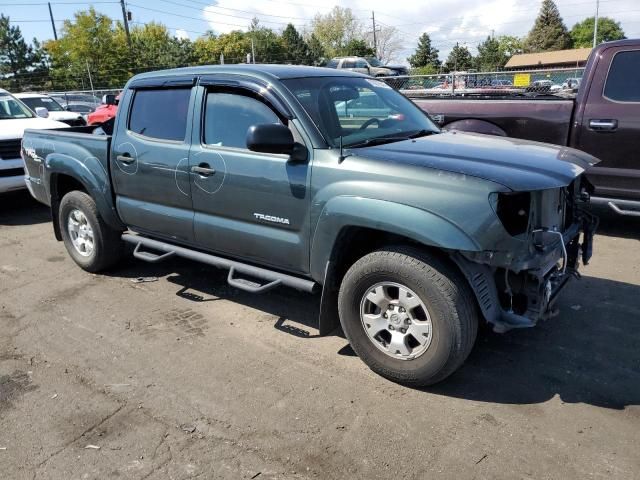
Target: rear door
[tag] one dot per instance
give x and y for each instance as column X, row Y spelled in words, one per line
column 150, row 155
column 610, row 124
column 248, row 205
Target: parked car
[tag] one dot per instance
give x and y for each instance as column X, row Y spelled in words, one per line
column 602, row 120
column 56, row 111
column 571, row 83
column 106, row 111
column 66, row 98
column 15, row 116
column 543, row 86
column 367, row 65
column 81, row 108
column 412, row 234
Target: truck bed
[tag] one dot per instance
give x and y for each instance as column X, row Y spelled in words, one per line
column 543, row 120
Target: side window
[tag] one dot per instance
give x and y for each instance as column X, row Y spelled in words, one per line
column 160, row 113
column 228, row 116
column 333, row 64
column 623, row 81
column 348, row 64
column 361, row 64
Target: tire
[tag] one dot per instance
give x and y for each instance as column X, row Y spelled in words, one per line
column 106, row 247
column 448, row 326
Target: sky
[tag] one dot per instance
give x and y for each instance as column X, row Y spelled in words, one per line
column 447, row 22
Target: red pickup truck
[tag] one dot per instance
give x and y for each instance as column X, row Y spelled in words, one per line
column 603, row 120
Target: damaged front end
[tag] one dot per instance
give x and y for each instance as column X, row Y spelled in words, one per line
column 549, row 233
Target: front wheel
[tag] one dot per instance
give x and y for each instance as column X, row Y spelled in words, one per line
column 92, row 244
column 409, row 316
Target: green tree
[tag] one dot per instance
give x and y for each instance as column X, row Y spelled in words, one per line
column 296, row 50
column 511, row 45
column 336, row 29
column 357, row 48
column 549, row 31
column 459, row 59
column 425, row 54
column 608, row 30
column 490, row 55
column 90, row 41
column 317, row 54
column 156, row 48
column 21, row 65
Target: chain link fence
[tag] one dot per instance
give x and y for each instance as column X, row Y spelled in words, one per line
column 558, row 82
column 93, row 97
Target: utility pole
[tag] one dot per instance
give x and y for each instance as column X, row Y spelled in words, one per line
column 375, row 42
column 595, row 25
column 53, row 23
column 125, row 18
column 90, row 80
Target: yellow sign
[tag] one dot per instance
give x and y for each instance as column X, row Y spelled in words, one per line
column 522, row 80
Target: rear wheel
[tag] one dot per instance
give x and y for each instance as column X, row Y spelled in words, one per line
column 409, row 316
column 92, row 244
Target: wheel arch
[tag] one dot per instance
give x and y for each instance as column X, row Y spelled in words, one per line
column 345, row 232
column 64, row 173
column 475, row 125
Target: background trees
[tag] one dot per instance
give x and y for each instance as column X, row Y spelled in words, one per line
column 549, row 31
column 459, row 59
column 608, row 29
column 425, row 57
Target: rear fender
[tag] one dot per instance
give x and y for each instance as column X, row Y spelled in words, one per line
column 475, row 125
column 91, row 174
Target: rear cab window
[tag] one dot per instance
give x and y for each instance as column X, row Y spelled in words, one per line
column 623, row 80
column 160, row 113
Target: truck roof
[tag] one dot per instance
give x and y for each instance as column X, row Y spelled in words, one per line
column 265, row 71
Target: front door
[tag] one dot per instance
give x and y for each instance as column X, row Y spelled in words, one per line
column 149, row 161
column 611, row 124
column 248, row 205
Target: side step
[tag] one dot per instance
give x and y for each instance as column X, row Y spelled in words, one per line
column 272, row 279
column 629, row 208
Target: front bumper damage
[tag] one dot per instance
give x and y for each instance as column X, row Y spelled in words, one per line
column 517, row 291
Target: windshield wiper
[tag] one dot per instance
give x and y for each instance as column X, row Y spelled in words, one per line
column 370, row 142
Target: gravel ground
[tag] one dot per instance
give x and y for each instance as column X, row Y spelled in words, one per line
column 185, row 377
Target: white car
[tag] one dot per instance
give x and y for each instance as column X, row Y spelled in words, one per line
column 15, row 117
column 55, row 110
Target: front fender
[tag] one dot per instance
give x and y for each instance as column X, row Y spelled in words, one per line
column 91, row 173
column 418, row 225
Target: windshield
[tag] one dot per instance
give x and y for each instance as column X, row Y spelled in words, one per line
column 45, row 102
column 10, row 108
column 374, row 62
column 360, row 110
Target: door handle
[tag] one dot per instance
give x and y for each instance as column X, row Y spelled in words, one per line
column 603, row 125
column 125, row 158
column 204, row 170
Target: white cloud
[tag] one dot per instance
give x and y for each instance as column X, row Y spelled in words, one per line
column 465, row 21
column 182, row 34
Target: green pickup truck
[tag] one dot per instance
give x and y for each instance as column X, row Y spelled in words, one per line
column 413, row 235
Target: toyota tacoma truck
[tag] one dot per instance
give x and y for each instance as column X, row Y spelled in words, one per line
column 413, row 236
column 603, row 120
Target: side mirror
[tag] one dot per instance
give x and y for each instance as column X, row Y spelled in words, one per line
column 42, row 112
column 270, row 138
column 109, row 99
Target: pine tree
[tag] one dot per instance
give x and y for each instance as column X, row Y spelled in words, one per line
column 490, row 55
column 425, row 55
column 316, row 50
column 549, row 31
column 459, row 59
column 296, row 49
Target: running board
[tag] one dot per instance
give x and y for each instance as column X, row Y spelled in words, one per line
column 272, row 279
column 621, row 207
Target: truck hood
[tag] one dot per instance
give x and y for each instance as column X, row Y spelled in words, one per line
column 14, row 128
column 519, row 165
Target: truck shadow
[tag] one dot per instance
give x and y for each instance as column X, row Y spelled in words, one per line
column 20, row 208
column 588, row 354
column 614, row 225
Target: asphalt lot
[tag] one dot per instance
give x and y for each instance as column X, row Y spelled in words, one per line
column 186, row 377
